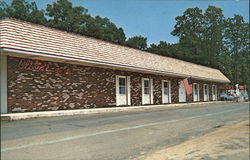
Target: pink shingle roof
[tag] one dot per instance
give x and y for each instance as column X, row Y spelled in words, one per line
column 20, row 35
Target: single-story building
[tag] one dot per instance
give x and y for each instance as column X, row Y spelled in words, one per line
column 48, row 69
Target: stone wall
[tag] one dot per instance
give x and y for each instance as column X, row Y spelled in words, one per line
column 35, row 85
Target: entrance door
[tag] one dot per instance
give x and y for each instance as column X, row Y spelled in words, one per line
column 182, row 92
column 196, row 97
column 214, row 93
column 147, row 94
column 166, row 92
column 206, row 92
column 122, row 90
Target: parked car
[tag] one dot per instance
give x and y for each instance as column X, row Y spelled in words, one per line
column 225, row 97
column 245, row 97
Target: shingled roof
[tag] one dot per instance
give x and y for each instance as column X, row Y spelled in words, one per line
column 23, row 36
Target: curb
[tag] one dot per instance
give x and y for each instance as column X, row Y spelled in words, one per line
column 28, row 115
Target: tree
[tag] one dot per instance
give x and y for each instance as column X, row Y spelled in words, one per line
column 138, row 42
column 66, row 17
column 166, row 49
column 237, row 44
column 190, row 28
column 214, row 24
column 21, row 9
column 75, row 19
column 201, row 35
column 103, row 29
column 3, row 9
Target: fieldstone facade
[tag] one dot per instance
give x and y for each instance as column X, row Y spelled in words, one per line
column 35, row 85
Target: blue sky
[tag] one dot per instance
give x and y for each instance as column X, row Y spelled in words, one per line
column 154, row 19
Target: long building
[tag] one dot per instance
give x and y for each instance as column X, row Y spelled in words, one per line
column 46, row 69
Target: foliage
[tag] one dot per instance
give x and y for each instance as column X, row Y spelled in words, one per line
column 21, row 9
column 63, row 15
column 138, row 42
column 237, row 44
column 166, row 49
column 103, row 29
column 190, row 29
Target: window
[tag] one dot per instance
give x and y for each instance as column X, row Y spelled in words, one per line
column 195, row 89
column 165, row 89
column 122, row 85
column 146, row 87
column 196, row 96
column 205, row 89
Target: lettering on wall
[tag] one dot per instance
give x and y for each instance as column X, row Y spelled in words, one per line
column 39, row 66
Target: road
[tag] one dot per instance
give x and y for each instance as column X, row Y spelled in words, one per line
column 115, row 136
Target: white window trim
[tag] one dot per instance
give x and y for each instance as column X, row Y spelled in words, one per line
column 207, row 92
column 150, row 88
column 169, row 90
column 198, row 92
column 127, row 81
column 152, row 91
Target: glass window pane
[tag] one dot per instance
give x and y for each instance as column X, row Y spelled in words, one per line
column 146, row 83
column 195, row 89
column 165, row 84
column 146, row 90
column 122, row 90
column 122, row 81
column 166, row 91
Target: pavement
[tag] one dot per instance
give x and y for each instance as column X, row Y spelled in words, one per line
column 28, row 115
column 226, row 142
column 130, row 135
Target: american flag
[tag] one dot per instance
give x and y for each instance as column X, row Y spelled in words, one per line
column 188, row 85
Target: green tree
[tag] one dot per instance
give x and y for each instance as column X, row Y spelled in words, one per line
column 190, row 29
column 214, row 24
column 166, row 49
column 103, row 29
column 237, row 44
column 3, row 9
column 75, row 19
column 138, row 42
column 64, row 16
column 23, row 10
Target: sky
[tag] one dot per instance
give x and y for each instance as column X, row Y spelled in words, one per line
column 154, row 19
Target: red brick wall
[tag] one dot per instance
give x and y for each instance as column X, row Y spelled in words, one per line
column 42, row 85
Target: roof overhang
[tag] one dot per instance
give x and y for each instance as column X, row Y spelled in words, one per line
column 80, row 61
